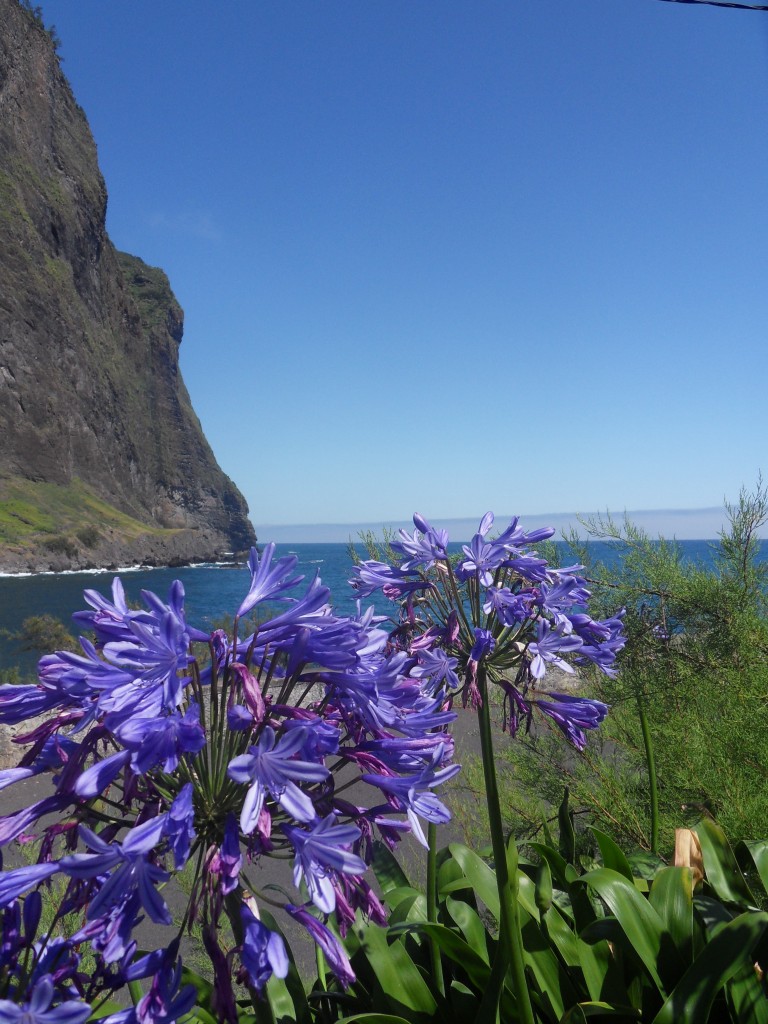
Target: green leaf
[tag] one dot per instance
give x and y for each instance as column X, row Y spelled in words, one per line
column 558, row 865
column 401, row 983
column 374, row 1018
column 552, row 981
column 456, row 949
column 671, row 897
column 746, row 995
column 720, row 865
column 758, row 854
column 412, row 908
column 581, row 1011
column 448, row 871
column 388, row 872
column 613, row 857
column 567, row 834
column 729, row 951
column 602, row 975
column 468, row 922
column 641, row 925
column 543, row 887
column 481, row 877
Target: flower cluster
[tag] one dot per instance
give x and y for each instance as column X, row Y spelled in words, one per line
column 166, row 746
column 499, row 607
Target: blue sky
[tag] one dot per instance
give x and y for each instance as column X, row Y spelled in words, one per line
column 448, row 256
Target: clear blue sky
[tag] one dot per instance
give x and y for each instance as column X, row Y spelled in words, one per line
column 448, row 256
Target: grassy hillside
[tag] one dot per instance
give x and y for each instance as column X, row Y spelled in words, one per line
column 61, row 518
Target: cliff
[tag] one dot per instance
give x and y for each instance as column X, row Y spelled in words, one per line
column 102, row 459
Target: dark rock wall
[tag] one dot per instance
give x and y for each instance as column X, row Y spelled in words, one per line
column 89, row 373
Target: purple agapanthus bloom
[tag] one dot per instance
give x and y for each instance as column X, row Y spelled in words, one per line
column 38, row 1010
column 485, row 643
column 514, row 537
column 482, row 557
column 319, row 853
column 332, row 949
column 573, row 715
column 14, row 883
column 268, row 582
column 102, row 773
column 548, row 646
column 179, row 828
column 263, row 951
column 155, row 655
column 162, row 739
column 111, row 934
column 510, row 608
column 424, row 548
column 413, row 794
column 437, row 667
column 165, row 1002
column 133, row 869
column 270, row 767
column 53, row 754
column 394, row 583
column 228, row 859
column 109, row 619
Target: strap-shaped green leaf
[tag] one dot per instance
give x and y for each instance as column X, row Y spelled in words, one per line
column 581, row 1011
column 399, row 978
column 387, row 869
column 671, row 897
column 758, row 855
column 641, row 925
column 720, row 865
column 480, row 875
column 728, row 952
column 468, row 922
column 373, row 1018
column 613, row 857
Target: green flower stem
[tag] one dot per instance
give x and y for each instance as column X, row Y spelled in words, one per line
column 653, row 787
column 437, row 966
column 511, row 940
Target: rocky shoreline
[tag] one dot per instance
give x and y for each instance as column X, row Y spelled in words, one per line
column 173, row 549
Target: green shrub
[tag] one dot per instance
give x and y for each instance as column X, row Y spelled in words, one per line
column 696, row 667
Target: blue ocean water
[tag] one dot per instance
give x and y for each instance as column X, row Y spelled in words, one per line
column 214, row 592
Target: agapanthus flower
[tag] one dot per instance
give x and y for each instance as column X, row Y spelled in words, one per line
column 548, row 647
column 426, row 546
column 395, row 584
column 263, row 951
column 332, row 949
column 268, row 582
column 162, row 739
column 438, row 668
column 269, row 767
column 133, row 869
column 320, row 852
column 413, row 794
column 573, row 714
column 179, row 829
column 39, row 1009
column 19, row 880
column 166, row 1001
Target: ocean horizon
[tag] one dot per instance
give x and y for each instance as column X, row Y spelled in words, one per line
column 703, row 524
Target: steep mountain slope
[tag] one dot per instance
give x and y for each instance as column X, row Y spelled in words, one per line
column 102, row 458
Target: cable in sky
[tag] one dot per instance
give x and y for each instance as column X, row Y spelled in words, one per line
column 720, row 3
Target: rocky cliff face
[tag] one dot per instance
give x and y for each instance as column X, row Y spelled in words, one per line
column 91, row 398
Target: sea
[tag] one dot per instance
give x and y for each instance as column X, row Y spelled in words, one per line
column 213, row 592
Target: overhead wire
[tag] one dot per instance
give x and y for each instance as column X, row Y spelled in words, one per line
column 720, row 3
